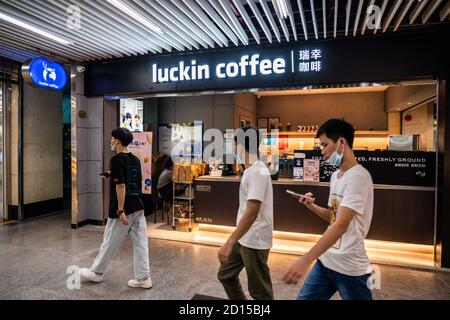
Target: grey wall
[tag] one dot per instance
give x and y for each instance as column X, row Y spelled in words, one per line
column 89, row 157
column 216, row 111
column 43, row 148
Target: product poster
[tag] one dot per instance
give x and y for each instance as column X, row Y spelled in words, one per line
column 132, row 114
column 141, row 147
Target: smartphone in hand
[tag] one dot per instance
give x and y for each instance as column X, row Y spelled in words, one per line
column 105, row 174
column 294, row 194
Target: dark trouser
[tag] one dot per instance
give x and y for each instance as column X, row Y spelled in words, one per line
column 322, row 283
column 258, row 273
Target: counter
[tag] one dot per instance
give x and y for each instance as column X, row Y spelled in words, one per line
column 401, row 213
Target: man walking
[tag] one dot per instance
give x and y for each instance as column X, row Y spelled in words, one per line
column 342, row 263
column 249, row 245
column 126, row 215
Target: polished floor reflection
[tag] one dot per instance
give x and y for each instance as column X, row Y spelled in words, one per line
column 35, row 256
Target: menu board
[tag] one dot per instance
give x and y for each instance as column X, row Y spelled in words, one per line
column 141, row 147
column 181, row 140
column 406, row 168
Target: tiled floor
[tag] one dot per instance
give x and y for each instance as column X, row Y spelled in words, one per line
column 35, row 256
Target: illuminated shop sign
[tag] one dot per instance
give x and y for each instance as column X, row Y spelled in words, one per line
column 244, row 66
column 45, row 74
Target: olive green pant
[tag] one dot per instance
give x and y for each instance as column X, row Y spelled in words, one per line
column 258, row 273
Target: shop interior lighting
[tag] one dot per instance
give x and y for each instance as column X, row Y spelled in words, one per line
column 124, row 8
column 31, row 28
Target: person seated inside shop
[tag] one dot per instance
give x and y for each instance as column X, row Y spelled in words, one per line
column 165, row 182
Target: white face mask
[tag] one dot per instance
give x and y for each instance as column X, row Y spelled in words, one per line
column 336, row 159
column 112, row 147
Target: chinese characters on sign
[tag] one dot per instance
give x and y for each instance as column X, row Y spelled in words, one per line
column 310, row 60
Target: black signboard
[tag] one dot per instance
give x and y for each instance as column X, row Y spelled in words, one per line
column 296, row 64
column 405, row 168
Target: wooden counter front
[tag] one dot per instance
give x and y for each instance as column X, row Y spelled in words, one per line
column 401, row 214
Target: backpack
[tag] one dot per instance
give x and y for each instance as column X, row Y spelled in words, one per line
column 132, row 181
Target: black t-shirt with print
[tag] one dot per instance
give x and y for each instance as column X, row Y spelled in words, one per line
column 126, row 169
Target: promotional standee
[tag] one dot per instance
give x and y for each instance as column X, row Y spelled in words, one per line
column 141, row 147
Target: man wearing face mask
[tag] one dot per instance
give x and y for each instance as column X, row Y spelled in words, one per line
column 249, row 245
column 342, row 264
column 126, row 215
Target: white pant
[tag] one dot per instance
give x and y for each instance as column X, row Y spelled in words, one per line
column 114, row 234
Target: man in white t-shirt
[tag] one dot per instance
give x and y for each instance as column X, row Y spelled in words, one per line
column 250, row 243
column 342, row 263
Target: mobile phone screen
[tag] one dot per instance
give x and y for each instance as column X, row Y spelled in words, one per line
column 292, row 193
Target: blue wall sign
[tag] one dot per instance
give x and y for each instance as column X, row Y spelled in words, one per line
column 45, row 74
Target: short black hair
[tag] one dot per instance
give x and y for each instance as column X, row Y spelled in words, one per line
column 335, row 129
column 168, row 163
column 123, row 135
column 248, row 131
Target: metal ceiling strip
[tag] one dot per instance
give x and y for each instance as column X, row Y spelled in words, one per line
column 383, row 9
column 314, row 20
column 347, row 16
column 260, row 19
column 358, row 16
column 336, row 6
column 366, row 20
column 430, row 10
column 405, row 9
column 22, row 16
column 269, row 16
column 417, row 10
column 238, row 4
column 59, row 23
column 235, row 21
column 131, row 25
column 206, row 6
column 127, row 38
column 170, row 16
column 186, row 21
column 445, row 12
column 281, row 21
column 396, row 5
column 198, row 11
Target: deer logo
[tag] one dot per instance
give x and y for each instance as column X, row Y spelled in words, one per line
column 48, row 71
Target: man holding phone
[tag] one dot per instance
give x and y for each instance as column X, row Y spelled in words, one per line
column 342, row 263
column 126, row 215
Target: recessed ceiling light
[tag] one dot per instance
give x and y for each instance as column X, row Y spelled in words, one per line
column 33, row 29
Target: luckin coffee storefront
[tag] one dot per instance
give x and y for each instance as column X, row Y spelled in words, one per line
column 393, row 89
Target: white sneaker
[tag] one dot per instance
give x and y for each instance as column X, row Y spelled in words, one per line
column 88, row 275
column 146, row 284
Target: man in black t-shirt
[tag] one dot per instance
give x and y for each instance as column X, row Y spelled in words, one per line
column 126, row 215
